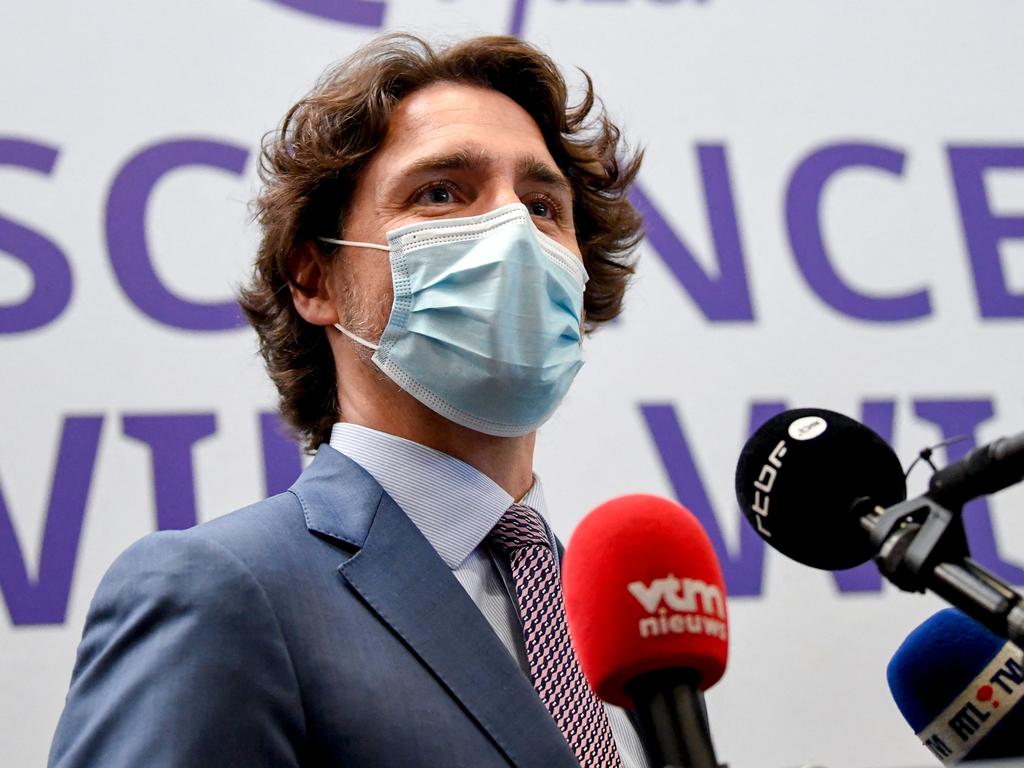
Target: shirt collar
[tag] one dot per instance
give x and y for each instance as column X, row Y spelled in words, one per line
column 453, row 504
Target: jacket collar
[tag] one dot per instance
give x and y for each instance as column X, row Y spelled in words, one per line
column 403, row 580
column 338, row 497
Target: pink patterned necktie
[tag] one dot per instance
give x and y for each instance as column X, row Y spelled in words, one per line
column 553, row 667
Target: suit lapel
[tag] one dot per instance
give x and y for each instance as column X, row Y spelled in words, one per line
column 405, row 582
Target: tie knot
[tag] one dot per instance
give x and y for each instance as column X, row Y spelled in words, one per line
column 519, row 527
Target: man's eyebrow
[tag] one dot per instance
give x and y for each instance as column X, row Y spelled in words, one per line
column 530, row 168
column 459, row 160
column 537, row 170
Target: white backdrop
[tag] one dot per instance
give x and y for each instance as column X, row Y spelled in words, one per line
column 905, row 116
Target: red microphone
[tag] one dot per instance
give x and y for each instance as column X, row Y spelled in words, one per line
column 645, row 604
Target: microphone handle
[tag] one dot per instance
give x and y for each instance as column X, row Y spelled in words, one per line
column 982, row 471
column 673, row 719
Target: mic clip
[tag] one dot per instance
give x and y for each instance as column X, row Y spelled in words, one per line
column 922, row 545
column 912, row 537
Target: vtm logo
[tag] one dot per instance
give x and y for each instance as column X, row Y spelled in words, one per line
column 672, row 605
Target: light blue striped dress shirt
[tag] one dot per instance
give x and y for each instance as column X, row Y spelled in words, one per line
column 455, row 506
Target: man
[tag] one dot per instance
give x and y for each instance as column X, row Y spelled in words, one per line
column 430, row 219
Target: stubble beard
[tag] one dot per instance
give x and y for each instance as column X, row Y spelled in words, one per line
column 366, row 317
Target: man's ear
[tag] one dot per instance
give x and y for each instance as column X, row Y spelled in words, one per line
column 311, row 285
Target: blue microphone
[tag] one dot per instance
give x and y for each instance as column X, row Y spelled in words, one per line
column 959, row 687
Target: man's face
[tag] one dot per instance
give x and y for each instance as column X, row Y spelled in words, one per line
column 451, row 151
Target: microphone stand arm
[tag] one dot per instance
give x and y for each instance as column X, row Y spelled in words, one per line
column 921, row 545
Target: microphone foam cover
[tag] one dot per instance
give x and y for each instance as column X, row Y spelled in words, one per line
column 940, row 683
column 798, row 477
column 644, row 592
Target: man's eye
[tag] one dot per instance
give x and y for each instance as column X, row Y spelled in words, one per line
column 541, row 208
column 437, row 195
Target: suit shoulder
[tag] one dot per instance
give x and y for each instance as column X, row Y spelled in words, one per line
column 271, row 541
column 178, row 624
column 177, row 565
column 227, row 549
column 275, row 519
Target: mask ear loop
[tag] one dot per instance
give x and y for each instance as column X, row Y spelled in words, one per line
column 356, row 243
column 357, row 339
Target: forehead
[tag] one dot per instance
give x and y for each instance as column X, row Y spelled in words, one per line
column 447, row 117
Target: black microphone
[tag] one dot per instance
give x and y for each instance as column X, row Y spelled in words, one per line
column 807, row 476
column 828, row 492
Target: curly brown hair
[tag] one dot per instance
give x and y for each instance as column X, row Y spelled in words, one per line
column 309, row 168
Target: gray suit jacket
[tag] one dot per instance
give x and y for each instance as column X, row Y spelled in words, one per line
column 316, row 628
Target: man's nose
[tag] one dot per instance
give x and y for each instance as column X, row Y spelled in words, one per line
column 500, row 194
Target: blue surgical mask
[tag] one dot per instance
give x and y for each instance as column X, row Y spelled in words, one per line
column 486, row 326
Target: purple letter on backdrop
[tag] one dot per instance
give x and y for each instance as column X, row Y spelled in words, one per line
column 518, row 17
column 743, row 572
column 721, row 298
column 126, row 232
column 803, row 216
column 51, row 274
column 365, row 13
column 170, row 438
column 45, row 600
column 962, row 417
column 983, row 229
column 282, row 459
